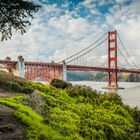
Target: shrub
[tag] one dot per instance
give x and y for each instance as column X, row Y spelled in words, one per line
column 42, row 87
column 87, row 92
column 14, row 87
column 27, row 90
column 14, row 84
column 60, row 84
column 112, row 97
column 135, row 113
column 11, row 86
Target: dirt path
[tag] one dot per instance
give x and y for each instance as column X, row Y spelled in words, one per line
column 10, row 128
column 4, row 93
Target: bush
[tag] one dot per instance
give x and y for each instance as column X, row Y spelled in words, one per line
column 14, row 84
column 11, row 86
column 87, row 92
column 135, row 113
column 14, row 87
column 60, row 84
column 27, row 90
column 112, row 97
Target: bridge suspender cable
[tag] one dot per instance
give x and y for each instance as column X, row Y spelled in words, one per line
column 127, row 52
column 123, row 55
column 88, row 50
column 84, row 48
column 124, row 58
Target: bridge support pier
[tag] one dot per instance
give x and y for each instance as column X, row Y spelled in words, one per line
column 20, row 66
column 64, row 71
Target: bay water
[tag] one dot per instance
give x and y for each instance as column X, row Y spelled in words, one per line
column 130, row 95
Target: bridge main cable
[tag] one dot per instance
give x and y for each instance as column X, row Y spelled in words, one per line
column 88, row 50
column 84, row 48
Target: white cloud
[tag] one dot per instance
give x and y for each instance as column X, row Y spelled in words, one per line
column 88, row 2
column 95, row 11
column 42, row 42
column 102, row 2
column 75, row 27
column 119, row 1
column 51, row 8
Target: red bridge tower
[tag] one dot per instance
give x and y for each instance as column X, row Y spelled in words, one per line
column 112, row 60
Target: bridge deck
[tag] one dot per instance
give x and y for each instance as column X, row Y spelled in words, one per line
column 73, row 67
column 104, row 69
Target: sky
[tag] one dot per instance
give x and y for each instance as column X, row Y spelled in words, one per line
column 64, row 27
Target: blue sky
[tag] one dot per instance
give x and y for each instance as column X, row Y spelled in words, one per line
column 63, row 27
column 83, row 8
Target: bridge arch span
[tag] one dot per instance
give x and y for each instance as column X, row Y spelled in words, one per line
column 46, row 71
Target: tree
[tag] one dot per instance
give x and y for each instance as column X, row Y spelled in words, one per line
column 14, row 14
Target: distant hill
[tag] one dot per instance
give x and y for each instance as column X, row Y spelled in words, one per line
column 79, row 76
column 100, row 76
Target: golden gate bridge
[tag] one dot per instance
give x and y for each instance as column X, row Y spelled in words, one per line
column 84, row 60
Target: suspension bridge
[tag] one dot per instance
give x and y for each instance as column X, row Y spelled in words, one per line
column 104, row 54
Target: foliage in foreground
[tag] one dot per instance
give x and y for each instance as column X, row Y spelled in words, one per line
column 76, row 113
column 14, row 84
column 34, row 121
column 15, row 15
column 60, row 83
column 79, row 110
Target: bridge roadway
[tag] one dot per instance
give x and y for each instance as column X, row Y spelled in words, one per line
column 70, row 67
column 104, row 69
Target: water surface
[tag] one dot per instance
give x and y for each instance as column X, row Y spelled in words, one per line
column 130, row 95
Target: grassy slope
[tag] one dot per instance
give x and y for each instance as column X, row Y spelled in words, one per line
column 77, row 113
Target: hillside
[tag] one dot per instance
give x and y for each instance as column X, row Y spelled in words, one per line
column 43, row 112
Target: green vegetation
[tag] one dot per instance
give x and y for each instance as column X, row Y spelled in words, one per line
column 14, row 84
column 73, row 113
column 15, row 14
column 36, row 129
column 60, row 84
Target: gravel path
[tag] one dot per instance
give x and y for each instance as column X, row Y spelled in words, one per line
column 10, row 128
